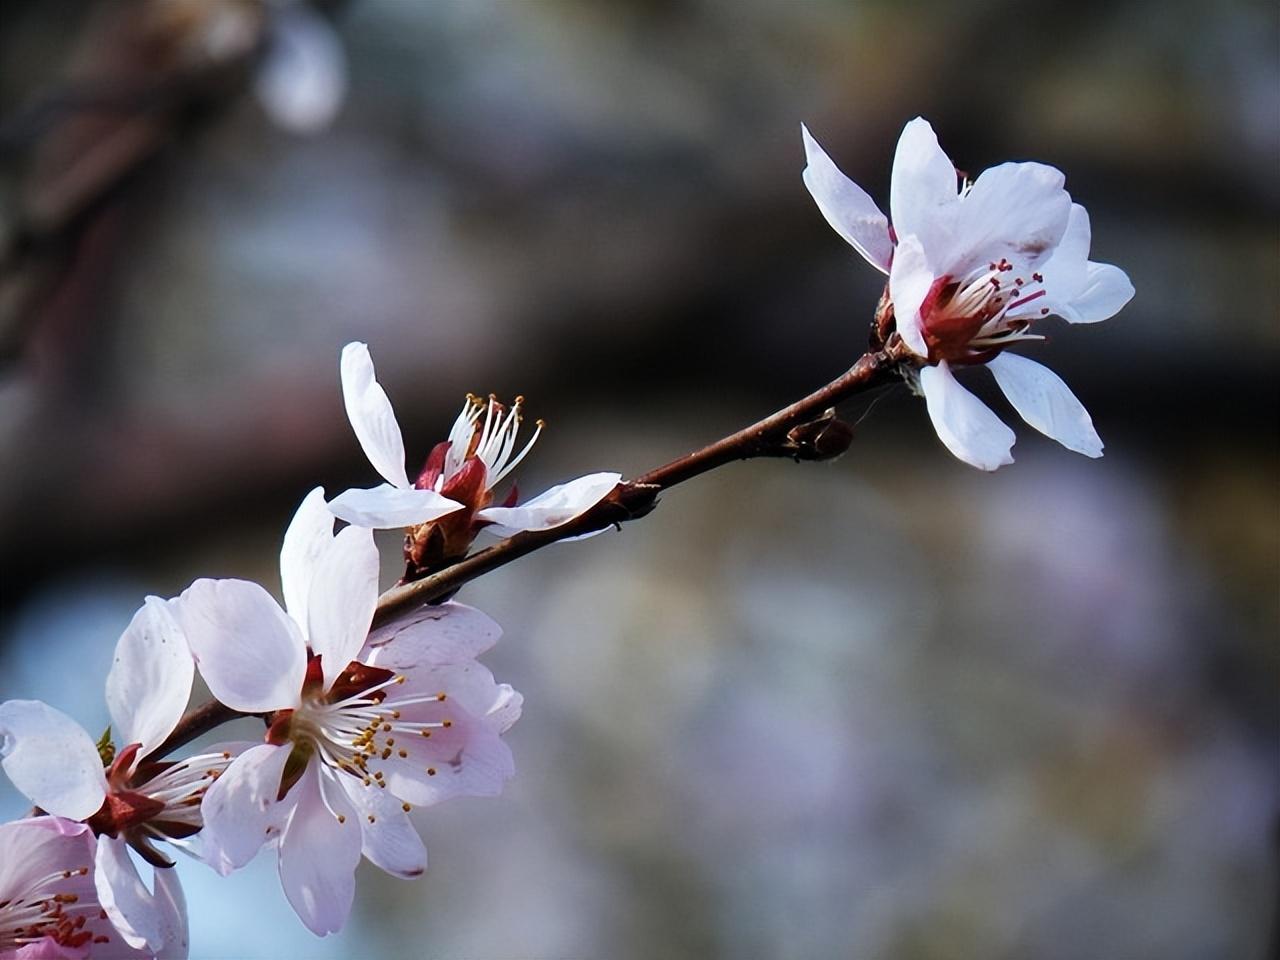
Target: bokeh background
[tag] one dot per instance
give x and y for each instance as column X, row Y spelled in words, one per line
column 883, row 708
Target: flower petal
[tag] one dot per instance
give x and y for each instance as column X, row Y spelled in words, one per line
column 1045, row 402
column 1105, row 291
column 909, row 281
column 150, row 679
column 251, row 655
column 371, row 416
column 240, row 810
column 172, row 904
column 34, row 848
column 51, row 759
column 387, row 507
column 309, row 535
column 924, row 192
column 433, row 634
column 964, row 423
column 125, row 898
column 303, row 79
column 847, row 207
column 556, row 506
column 387, row 835
column 1018, row 211
column 344, row 592
column 319, row 852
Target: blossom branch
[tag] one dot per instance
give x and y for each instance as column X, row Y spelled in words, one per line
column 635, row 498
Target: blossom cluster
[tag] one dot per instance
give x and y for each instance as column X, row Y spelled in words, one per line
column 363, row 721
column 365, row 718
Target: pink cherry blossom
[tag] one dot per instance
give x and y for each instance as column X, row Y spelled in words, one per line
column 134, row 802
column 49, row 905
column 460, row 474
column 362, row 726
column 972, row 268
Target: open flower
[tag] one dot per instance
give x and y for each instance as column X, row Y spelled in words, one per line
column 460, row 474
column 48, row 903
column 358, row 733
column 972, row 266
column 134, row 802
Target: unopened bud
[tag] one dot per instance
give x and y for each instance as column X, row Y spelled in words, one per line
column 825, row 438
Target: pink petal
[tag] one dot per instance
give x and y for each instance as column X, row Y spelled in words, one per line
column 150, row 679
column 51, row 759
column 964, row 423
column 909, row 281
column 371, row 415
column 388, row 508
column 387, row 836
column 251, row 655
column 1045, row 402
column 319, row 852
column 309, row 535
column 847, row 207
column 125, row 898
column 924, row 192
column 430, row 635
column 240, row 810
column 34, row 848
column 556, row 506
column 344, row 592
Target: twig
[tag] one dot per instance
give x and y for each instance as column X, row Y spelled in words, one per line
column 628, row 501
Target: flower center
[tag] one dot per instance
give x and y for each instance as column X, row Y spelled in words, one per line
column 51, row 908
column 360, row 724
column 968, row 320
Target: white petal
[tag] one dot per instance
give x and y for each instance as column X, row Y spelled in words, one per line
column 387, row 507
column 924, row 192
column 431, row 635
column 963, row 422
column 469, row 759
column 251, row 655
column 388, row 837
column 848, row 208
column 51, row 759
column 1045, row 402
column 558, row 505
column 343, row 594
column 303, row 79
column 150, row 679
column 505, row 709
column 1015, row 210
column 125, row 897
column 240, row 810
column 371, row 415
column 909, row 281
column 1105, row 291
column 319, row 853
column 172, row 904
column 310, row 533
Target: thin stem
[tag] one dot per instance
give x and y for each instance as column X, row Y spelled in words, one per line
column 630, row 500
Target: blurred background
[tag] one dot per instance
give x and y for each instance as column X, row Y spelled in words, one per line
column 888, row 707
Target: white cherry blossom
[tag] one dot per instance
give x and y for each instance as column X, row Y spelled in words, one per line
column 972, row 267
column 48, row 903
column 460, row 474
column 134, row 802
column 362, row 727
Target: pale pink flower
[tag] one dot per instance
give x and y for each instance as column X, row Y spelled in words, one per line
column 972, row 266
column 460, row 474
column 49, row 908
column 361, row 727
column 134, row 802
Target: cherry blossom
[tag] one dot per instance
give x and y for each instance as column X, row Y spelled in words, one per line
column 460, row 474
column 135, row 801
column 362, row 727
column 972, row 267
column 49, row 905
